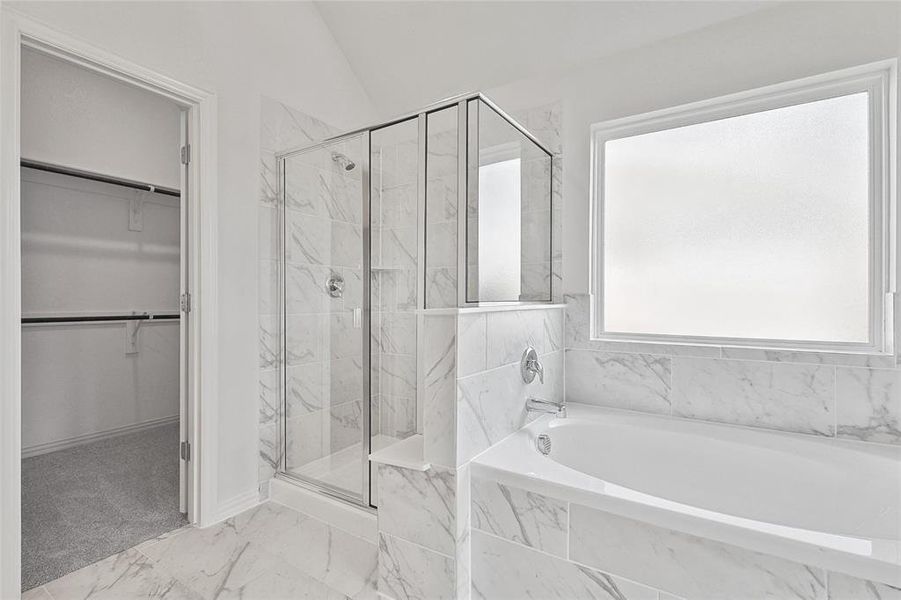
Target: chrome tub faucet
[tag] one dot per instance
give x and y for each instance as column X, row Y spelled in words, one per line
column 552, row 407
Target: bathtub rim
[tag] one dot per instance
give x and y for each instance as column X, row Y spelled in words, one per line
column 883, row 566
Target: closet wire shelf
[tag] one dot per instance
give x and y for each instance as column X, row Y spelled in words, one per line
column 95, row 318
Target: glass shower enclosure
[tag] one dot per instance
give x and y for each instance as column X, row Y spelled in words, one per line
column 376, row 225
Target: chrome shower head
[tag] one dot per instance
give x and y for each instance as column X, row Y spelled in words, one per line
column 341, row 159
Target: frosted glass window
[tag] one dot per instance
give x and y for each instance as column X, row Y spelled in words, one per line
column 754, row 226
column 500, row 244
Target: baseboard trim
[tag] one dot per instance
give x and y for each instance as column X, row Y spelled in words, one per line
column 237, row 504
column 46, row 448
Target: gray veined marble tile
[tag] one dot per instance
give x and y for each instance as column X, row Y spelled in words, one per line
column 441, row 245
column 344, row 338
column 343, row 379
column 535, row 282
column 472, row 349
column 304, row 439
column 441, row 287
column 631, row 381
column 302, row 339
column 441, row 196
column 536, row 232
column 783, row 396
column 440, row 382
column 577, row 323
column 308, row 239
column 520, row 515
column 868, row 404
column 269, row 408
column 269, row 451
column 128, row 574
column 340, row 197
column 545, row 123
column 346, row 245
column 383, row 290
column 844, row 587
column 268, row 179
column 395, row 333
column 346, row 425
column 304, row 389
column 398, row 247
column 683, row 564
column 491, row 404
column 407, row 571
column 353, row 291
column 268, row 335
column 819, row 358
column 280, row 580
column 283, row 127
column 419, row 506
column 304, row 185
column 397, row 375
column 397, row 416
column 503, row 570
column 397, row 207
column 405, row 293
column 305, row 288
column 509, row 333
column 338, row 559
column 442, row 159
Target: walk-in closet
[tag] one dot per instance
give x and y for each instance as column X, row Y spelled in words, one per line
column 103, row 317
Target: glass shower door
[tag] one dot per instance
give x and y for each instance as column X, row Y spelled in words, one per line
column 326, row 318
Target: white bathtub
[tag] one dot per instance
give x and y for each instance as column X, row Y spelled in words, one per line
column 823, row 502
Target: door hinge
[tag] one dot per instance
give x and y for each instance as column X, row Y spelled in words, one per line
column 186, row 154
column 186, row 451
column 185, row 303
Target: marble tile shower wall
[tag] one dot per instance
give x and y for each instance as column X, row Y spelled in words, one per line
column 394, row 261
column 536, row 221
column 529, row 545
column 832, row 395
column 441, row 211
column 545, row 123
column 309, row 401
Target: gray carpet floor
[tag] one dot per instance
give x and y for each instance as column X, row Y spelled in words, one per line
column 86, row 503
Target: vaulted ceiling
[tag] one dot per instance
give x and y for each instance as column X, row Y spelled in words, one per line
column 407, row 54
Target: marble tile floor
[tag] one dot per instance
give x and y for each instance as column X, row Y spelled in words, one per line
column 269, row 552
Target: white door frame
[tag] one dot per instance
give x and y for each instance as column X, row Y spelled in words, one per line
column 16, row 31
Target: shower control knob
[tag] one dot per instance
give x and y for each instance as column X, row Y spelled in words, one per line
column 335, row 286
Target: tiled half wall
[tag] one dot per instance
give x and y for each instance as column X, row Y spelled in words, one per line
column 529, row 545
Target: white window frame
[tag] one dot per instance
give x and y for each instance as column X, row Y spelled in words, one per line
column 879, row 80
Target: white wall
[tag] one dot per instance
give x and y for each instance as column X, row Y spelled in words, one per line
column 76, row 118
column 79, row 257
column 239, row 51
column 785, row 42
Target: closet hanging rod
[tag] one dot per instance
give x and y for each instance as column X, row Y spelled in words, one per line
column 137, row 185
column 89, row 319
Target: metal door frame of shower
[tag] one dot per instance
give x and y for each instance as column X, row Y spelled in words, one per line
column 364, row 501
column 365, row 133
